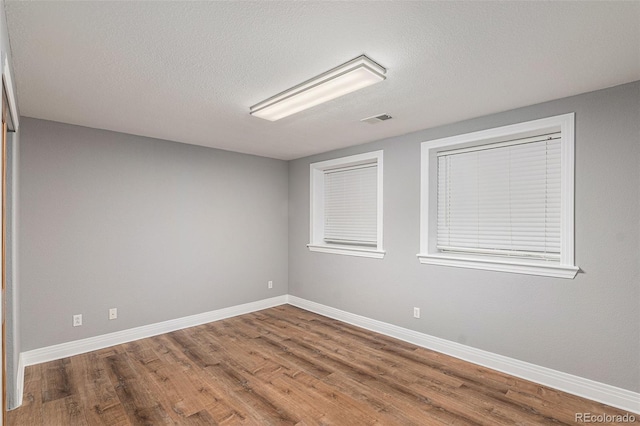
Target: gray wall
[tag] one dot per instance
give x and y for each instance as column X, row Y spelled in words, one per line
column 162, row 230
column 12, row 314
column 589, row 326
column 158, row 229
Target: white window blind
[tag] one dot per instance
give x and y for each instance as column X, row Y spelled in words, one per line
column 501, row 199
column 350, row 205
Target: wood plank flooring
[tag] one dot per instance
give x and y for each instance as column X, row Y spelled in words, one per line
column 283, row 366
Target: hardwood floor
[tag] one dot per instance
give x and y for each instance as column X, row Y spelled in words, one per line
column 283, row 365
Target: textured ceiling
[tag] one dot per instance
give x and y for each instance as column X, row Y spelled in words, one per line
column 188, row 71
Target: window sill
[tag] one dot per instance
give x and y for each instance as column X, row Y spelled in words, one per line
column 502, row 265
column 347, row 251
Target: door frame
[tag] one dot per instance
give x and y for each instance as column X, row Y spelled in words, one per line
column 9, row 123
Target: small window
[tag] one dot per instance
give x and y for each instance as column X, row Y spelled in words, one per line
column 346, row 206
column 501, row 199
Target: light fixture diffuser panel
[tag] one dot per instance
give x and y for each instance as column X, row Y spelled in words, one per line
column 349, row 77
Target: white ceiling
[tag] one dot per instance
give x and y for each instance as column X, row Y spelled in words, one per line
column 189, row 71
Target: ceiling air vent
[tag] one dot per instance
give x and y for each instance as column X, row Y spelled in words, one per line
column 376, row 118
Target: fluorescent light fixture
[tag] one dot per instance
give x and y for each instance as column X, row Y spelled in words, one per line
column 346, row 78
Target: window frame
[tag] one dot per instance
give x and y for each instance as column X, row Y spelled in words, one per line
column 316, row 216
column 429, row 254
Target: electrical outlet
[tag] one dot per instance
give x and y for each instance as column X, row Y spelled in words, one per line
column 77, row 320
column 416, row 312
column 270, row 284
column 113, row 313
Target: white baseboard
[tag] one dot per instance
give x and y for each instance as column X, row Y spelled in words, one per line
column 19, row 383
column 586, row 388
column 63, row 350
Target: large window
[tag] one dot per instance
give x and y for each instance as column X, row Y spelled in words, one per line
column 346, row 206
column 501, row 199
